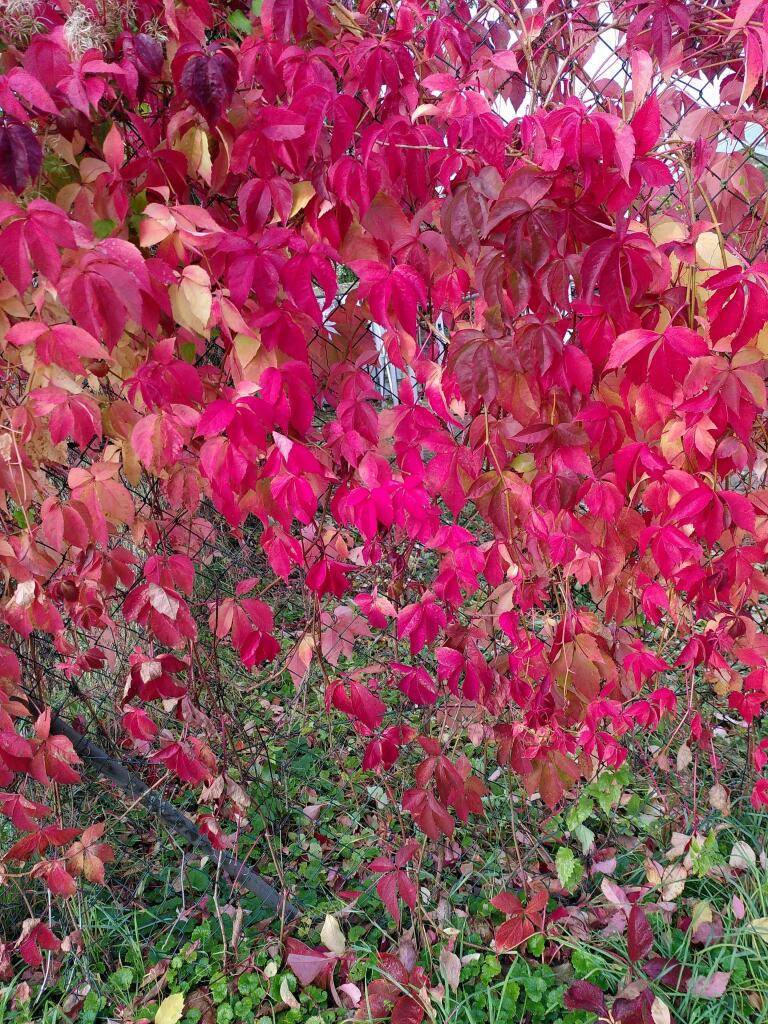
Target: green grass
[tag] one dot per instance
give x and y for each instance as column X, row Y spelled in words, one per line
column 166, row 924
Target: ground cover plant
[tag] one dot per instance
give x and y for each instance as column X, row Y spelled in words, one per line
column 383, row 490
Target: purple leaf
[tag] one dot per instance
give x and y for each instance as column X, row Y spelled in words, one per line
column 21, row 155
column 208, row 81
column 148, row 55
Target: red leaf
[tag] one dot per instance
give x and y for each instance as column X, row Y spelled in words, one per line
column 513, row 933
column 386, row 887
column 36, row 937
column 628, row 345
column 311, row 966
column 639, row 935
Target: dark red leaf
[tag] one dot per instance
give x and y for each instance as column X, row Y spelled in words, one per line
column 639, row 935
column 583, row 995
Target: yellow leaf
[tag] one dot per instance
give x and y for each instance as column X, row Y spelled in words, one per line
column 701, row 914
column 194, row 145
column 524, row 463
column 332, row 936
column 246, row 349
column 302, row 193
column 760, row 927
column 171, row 1009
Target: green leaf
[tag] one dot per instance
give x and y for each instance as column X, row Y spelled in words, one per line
column 607, row 790
column 139, row 202
column 187, row 351
column 569, row 870
column 104, row 228
column 256, row 8
column 578, row 813
column 122, row 978
column 585, row 836
column 21, row 517
column 536, row 945
column 198, row 879
column 240, row 23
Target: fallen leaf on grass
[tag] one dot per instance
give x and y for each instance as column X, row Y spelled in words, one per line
column 742, row 856
column 451, row 966
column 660, row 1012
column 287, row 996
column 710, row 988
column 171, row 1009
column 332, row 936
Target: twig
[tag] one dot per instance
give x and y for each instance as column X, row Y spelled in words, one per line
column 129, row 783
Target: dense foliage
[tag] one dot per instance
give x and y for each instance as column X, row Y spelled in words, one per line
column 550, row 540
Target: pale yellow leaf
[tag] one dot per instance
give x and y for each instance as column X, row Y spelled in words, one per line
column 194, row 145
column 760, row 927
column 163, row 602
column 247, row 349
column 191, row 300
column 345, row 18
column 660, row 1012
column 171, row 1009
column 742, row 856
column 719, row 799
column 670, row 879
column 332, row 936
column 423, row 110
column 673, row 882
column 701, row 914
column 287, row 996
column 684, row 757
column 708, row 250
column 156, row 225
